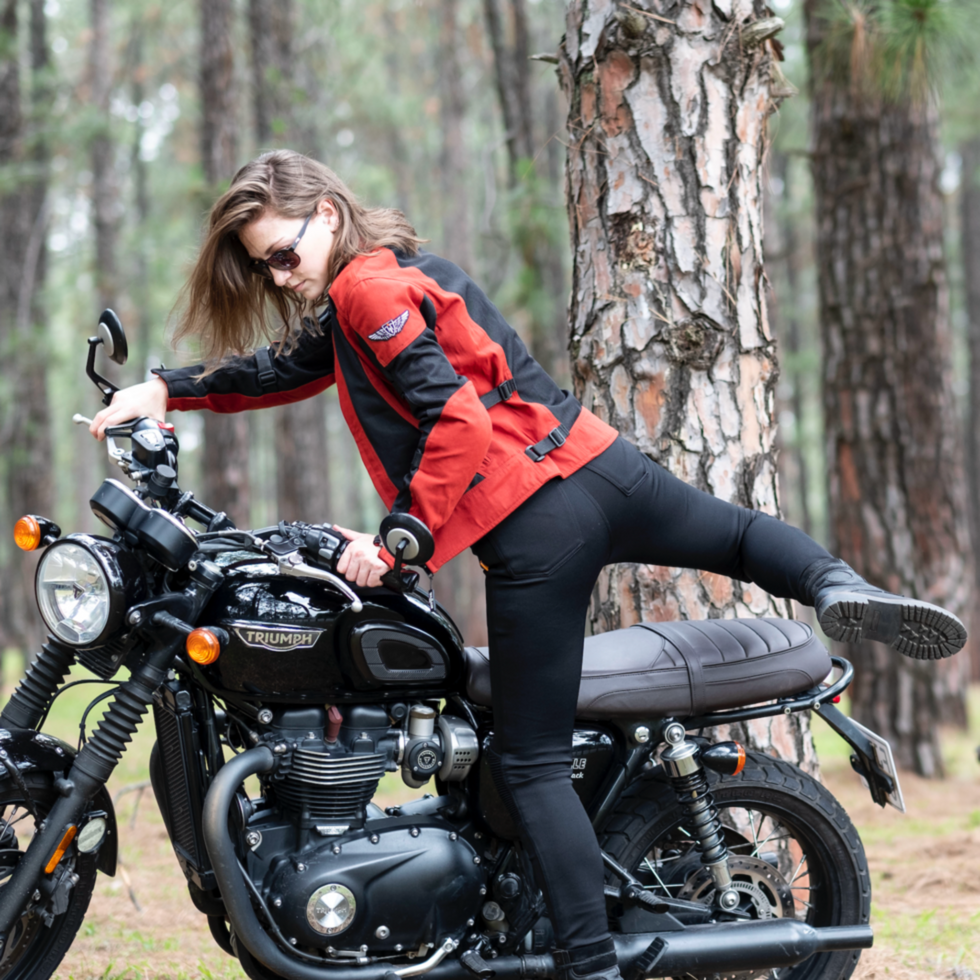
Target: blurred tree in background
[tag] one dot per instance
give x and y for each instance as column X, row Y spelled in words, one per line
column 897, row 497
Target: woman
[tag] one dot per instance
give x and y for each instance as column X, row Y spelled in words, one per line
column 458, row 425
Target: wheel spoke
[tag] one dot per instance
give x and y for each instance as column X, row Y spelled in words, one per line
column 796, row 873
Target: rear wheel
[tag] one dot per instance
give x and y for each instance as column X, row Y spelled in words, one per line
column 793, row 853
column 39, row 940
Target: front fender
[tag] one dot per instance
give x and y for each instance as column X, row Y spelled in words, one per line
column 31, row 751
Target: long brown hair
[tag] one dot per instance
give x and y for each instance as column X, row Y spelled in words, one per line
column 225, row 304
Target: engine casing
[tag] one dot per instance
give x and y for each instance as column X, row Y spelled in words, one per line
column 398, row 883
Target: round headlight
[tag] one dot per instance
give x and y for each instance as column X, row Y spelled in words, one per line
column 74, row 593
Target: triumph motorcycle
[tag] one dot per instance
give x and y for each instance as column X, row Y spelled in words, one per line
column 258, row 660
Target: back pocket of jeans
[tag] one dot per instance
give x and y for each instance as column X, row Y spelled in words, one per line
column 622, row 464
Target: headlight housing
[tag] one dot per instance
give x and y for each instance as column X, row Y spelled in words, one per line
column 80, row 590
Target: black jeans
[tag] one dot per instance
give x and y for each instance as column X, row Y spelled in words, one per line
column 542, row 563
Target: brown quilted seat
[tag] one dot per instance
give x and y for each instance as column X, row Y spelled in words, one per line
column 653, row 670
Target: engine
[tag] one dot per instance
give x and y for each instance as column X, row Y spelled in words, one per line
column 336, row 872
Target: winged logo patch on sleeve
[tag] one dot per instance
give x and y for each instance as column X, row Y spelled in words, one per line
column 390, row 329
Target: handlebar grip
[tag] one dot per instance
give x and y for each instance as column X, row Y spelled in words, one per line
column 406, row 582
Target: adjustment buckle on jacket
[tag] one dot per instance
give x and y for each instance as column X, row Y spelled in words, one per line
column 554, row 439
column 267, row 374
column 499, row 394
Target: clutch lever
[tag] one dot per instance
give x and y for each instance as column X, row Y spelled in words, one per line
column 119, row 455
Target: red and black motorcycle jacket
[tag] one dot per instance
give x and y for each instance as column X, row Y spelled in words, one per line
column 455, row 421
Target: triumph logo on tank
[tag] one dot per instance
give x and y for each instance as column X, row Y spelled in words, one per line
column 277, row 639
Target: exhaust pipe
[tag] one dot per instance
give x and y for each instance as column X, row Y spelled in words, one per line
column 734, row 947
column 701, row 949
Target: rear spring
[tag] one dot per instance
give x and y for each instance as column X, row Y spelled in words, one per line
column 690, row 784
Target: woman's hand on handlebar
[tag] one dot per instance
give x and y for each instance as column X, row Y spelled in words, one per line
column 360, row 562
column 149, row 399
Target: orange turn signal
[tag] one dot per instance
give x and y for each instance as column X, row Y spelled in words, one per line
column 27, row 533
column 741, row 759
column 60, row 849
column 203, row 646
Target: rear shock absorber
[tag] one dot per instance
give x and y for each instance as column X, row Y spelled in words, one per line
column 690, row 782
column 29, row 701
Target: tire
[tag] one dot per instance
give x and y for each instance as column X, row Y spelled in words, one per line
column 34, row 950
column 793, row 852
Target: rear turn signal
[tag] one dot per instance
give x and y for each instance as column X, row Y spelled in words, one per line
column 60, row 849
column 27, row 533
column 728, row 758
column 203, row 647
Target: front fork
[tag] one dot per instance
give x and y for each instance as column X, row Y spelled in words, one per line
column 682, row 760
column 90, row 771
column 98, row 758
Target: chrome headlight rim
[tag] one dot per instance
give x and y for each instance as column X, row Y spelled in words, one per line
column 106, row 555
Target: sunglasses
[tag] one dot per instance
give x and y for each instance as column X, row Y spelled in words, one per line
column 285, row 259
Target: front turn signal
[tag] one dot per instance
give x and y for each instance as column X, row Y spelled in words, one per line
column 203, row 646
column 31, row 532
column 27, row 533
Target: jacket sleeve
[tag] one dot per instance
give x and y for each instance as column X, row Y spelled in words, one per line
column 261, row 380
column 395, row 324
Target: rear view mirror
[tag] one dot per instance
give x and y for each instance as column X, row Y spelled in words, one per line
column 418, row 543
column 113, row 337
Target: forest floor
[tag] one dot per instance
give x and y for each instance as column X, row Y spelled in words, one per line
column 925, row 872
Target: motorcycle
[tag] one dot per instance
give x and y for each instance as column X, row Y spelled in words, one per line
column 258, row 660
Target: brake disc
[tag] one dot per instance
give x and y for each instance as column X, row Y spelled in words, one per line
column 763, row 889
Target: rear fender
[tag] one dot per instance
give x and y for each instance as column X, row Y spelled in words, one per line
column 32, row 751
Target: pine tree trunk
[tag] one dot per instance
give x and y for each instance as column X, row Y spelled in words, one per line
column 28, row 486
column 782, row 240
column 456, row 237
column 542, row 271
column 669, row 338
column 970, row 250
column 896, row 492
column 104, row 190
column 225, row 448
column 302, row 482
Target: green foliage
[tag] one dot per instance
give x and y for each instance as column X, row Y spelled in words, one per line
column 899, row 50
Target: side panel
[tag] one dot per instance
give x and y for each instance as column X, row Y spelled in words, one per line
column 594, row 752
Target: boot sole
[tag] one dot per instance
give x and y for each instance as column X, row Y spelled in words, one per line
column 914, row 628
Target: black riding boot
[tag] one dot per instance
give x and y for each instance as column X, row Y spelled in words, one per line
column 850, row 610
column 594, row 962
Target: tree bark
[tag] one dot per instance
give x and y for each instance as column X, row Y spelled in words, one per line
column 970, row 250
column 669, row 337
column 507, row 27
column 226, row 439
column 25, row 428
column 105, row 216
column 896, row 492
column 782, row 239
column 456, row 238
column 302, row 470
column 541, row 279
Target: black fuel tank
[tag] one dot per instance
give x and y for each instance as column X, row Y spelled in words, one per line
column 294, row 640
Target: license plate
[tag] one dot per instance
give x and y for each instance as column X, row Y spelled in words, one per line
column 886, row 762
